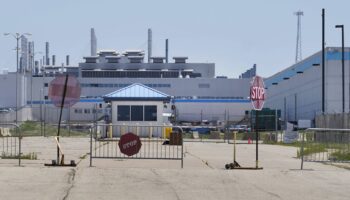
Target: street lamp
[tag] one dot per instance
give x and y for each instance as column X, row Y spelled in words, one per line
column 17, row 36
column 342, row 64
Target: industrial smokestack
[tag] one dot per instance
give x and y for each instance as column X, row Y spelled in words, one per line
column 149, row 45
column 67, row 60
column 166, row 51
column 31, row 56
column 47, row 54
column 53, row 60
column 93, row 41
column 36, row 67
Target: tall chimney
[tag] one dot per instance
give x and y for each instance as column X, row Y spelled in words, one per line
column 53, row 60
column 47, row 54
column 149, row 45
column 166, row 50
column 93, row 41
column 67, row 60
column 36, row 67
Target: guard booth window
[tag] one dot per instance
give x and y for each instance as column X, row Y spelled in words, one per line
column 123, row 113
column 136, row 113
column 150, row 113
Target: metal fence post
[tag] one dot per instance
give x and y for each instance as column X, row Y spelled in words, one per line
column 182, row 150
column 302, row 150
column 19, row 145
column 91, row 146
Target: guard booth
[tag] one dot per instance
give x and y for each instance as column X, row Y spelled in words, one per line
column 140, row 107
column 138, row 129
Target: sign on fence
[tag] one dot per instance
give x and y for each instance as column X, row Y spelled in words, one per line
column 290, row 136
column 129, row 144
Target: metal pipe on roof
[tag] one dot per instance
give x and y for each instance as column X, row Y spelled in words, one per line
column 166, row 51
column 149, row 45
column 67, row 60
column 47, row 53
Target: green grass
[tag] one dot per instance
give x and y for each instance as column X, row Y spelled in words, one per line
column 314, row 148
column 338, row 155
column 31, row 128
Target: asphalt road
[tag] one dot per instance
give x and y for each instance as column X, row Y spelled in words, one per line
column 203, row 175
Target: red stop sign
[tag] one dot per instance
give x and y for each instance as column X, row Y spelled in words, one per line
column 56, row 91
column 129, row 144
column 257, row 93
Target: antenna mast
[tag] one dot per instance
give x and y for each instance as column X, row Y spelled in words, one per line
column 298, row 56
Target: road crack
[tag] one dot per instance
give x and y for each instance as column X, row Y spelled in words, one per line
column 71, row 178
column 203, row 161
column 162, row 180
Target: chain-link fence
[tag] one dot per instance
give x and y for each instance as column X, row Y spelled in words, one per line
column 325, row 145
column 10, row 143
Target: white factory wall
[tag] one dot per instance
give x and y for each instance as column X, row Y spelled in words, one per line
column 214, row 111
column 302, row 93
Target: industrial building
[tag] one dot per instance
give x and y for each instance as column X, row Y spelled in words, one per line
column 195, row 90
column 297, row 90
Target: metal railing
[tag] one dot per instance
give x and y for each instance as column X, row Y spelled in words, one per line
column 10, row 143
column 325, row 145
column 155, row 140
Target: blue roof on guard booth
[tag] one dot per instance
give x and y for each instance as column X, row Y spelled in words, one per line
column 137, row 90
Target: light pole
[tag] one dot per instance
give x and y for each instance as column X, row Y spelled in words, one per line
column 323, row 61
column 342, row 65
column 17, row 36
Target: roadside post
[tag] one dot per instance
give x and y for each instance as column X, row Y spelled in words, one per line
column 64, row 92
column 257, row 97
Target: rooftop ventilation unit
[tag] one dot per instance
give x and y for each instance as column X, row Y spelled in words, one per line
column 158, row 59
column 135, row 59
column 134, row 53
column 91, row 59
column 180, row 59
column 112, row 59
column 107, row 52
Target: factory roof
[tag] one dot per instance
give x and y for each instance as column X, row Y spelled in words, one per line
column 332, row 53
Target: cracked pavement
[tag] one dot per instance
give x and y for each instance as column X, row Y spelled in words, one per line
column 203, row 176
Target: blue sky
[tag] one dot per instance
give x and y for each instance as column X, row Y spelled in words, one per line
column 232, row 34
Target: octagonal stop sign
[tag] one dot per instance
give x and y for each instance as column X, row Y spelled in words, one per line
column 57, row 87
column 129, row 144
column 257, row 93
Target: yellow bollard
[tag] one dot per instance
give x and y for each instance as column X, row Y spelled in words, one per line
column 110, row 133
column 168, row 131
column 150, row 132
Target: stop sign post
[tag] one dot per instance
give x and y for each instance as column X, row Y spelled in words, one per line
column 64, row 91
column 257, row 93
column 129, row 144
column 257, row 97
